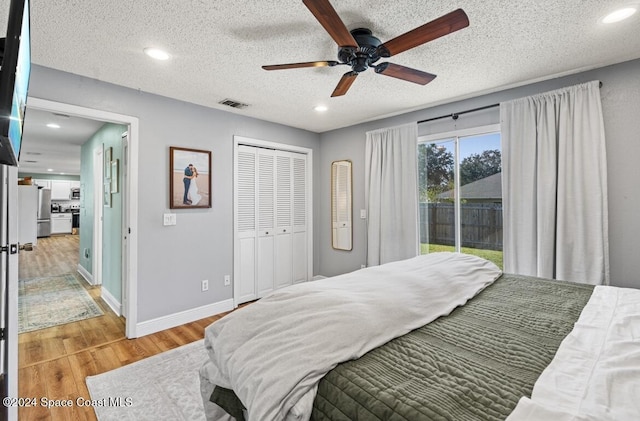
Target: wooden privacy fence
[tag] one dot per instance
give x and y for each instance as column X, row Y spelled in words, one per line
column 481, row 225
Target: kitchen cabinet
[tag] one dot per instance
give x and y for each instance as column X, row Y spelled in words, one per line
column 60, row 189
column 61, row 223
column 46, row 184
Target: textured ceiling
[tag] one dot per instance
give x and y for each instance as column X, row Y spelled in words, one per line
column 218, row 48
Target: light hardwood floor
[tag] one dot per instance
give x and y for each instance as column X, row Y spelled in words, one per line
column 54, row 362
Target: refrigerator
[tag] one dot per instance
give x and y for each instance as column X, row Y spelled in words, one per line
column 27, row 214
column 44, row 213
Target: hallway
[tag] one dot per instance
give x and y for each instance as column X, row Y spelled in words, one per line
column 52, row 256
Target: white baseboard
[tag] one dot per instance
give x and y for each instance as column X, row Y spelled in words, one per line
column 85, row 274
column 172, row 320
column 111, row 301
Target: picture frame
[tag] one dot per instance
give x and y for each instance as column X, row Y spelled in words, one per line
column 185, row 166
column 107, row 162
column 114, row 176
column 106, row 194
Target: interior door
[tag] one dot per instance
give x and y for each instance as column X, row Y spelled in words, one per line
column 245, row 243
column 9, row 288
column 284, row 225
column 124, row 182
column 266, row 221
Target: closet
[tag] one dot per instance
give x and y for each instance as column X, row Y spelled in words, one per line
column 272, row 220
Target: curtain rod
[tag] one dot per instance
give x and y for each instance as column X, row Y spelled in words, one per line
column 456, row 115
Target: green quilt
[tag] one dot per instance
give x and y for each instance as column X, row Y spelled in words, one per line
column 473, row 365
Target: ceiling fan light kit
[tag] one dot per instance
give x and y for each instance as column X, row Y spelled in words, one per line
column 360, row 50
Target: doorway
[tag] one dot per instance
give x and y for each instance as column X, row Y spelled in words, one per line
column 127, row 204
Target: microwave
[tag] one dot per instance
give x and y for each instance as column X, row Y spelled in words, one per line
column 75, row 193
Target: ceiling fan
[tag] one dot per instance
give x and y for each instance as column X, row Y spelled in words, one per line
column 360, row 50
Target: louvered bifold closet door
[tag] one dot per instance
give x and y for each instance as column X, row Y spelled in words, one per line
column 272, row 205
column 266, row 219
column 284, row 223
column 300, row 253
column 245, row 247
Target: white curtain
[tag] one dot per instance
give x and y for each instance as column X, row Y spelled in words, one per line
column 391, row 194
column 555, row 185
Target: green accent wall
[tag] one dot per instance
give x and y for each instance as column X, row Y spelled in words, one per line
column 109, row 136
column 48, row 176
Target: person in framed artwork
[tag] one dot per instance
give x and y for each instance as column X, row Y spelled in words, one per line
column 188, row 176
column 194, row 197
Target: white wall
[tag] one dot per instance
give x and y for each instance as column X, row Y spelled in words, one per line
column 621, row 108
column 173, row 260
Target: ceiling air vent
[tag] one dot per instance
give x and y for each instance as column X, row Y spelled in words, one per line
column 232, row 103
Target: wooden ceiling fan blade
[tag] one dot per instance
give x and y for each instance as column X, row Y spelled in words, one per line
column 437, row 28
column 344, row 84
column 300, row 65
column 331, row 22
column 405, row 73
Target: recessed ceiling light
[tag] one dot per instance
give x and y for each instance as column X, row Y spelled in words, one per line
column 53, row 126
column 321, row 108
column 619, row 15
column 156, row 53
column 50, row 169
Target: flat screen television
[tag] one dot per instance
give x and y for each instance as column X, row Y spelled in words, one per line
column 14, row 81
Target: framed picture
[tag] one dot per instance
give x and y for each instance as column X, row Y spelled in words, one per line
column 107, row 163
column 189, row 178
column 114, row 176
column 106, row 194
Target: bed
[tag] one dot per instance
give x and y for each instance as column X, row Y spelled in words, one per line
column 468, row 343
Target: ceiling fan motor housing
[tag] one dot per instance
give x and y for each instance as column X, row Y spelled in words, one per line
column 365, row 55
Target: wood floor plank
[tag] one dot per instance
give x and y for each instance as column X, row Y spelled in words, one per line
column 82, row 365
column 61, row 387
column 32, row 385
column 105, row 358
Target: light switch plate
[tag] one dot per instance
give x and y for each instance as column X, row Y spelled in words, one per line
column 169, row 219
column 363, row 214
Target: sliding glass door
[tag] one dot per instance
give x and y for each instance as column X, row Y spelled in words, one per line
column 460, row 183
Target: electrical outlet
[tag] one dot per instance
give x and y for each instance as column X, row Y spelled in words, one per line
column 205, row 285
column 363, row 266
column 227, row 280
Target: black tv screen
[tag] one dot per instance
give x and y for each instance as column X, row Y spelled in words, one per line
column 14, row 81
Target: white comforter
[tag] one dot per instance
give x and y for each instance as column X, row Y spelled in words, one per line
column 274, row 352
column 595, row 375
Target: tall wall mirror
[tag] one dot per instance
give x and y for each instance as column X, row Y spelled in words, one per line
column 341, row 205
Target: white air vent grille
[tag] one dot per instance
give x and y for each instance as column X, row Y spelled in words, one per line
column 232, row 103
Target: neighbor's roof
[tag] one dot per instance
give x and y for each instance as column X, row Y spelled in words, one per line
column 488, row 188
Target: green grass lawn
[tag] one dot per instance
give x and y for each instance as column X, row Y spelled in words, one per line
column 491, row 255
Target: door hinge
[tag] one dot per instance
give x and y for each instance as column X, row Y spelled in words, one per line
column 1, row 334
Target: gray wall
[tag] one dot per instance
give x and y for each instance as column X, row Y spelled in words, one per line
column 621, row 108
column 173, row 260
